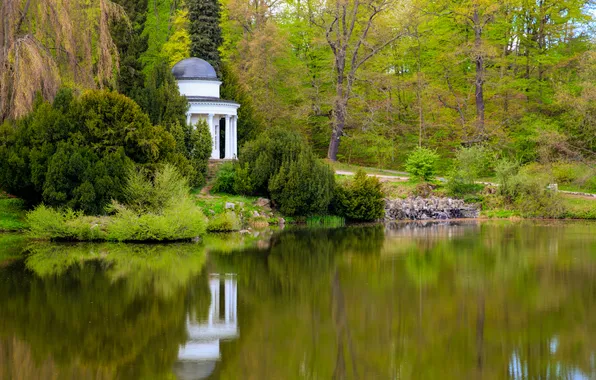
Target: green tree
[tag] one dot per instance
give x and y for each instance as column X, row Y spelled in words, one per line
column 76, row 152
column 281, row 164
column 422, row 163
column 131, row 43
column 204, row 30
column 249, row 120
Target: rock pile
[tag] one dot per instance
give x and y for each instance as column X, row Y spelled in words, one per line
column 429, row 208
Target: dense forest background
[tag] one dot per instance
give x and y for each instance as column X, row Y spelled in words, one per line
column 365, row 81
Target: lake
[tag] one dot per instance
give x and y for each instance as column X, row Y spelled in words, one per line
column 450, row 300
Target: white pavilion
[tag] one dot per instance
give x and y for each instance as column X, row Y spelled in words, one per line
column 197, row 80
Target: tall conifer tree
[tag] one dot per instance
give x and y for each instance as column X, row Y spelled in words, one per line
column 205, row 31
column 131, row 43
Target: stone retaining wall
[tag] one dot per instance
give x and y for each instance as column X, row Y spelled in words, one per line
column 429, row 208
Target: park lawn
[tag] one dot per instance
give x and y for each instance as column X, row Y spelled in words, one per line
column 12, row 214
column 579, row 207
column 398, row 189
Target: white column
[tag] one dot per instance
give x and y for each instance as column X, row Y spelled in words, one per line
column 212, row 132
column 227, row 295
column 188, row 118
column 215, row 135
column 235, row 133
column 214, row 306
column 229, row 146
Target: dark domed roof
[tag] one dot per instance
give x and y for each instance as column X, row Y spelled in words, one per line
column 194, row 68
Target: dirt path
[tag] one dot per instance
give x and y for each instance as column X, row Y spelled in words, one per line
column 380, row 176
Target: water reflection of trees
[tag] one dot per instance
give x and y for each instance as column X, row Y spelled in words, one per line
column 493, row 301
column 100, row 311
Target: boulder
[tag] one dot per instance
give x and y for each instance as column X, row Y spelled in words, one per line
column 263, row 202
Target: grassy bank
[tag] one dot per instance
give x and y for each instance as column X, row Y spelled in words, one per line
column 238, row 210
column 12, row 214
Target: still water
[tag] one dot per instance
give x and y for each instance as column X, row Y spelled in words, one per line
column 471, row 300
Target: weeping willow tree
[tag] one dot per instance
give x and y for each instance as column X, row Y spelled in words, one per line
column 48, row 43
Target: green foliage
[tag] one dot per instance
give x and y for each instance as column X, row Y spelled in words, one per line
column 325, row 221
column 225, row 222
column 505, row 172
column 280, row 164
column 145, row 195
column 422, row 163
column 177, row 47
column 264, row 156
column 243, row 183
column 469, row 165
column 164, row 105
column 156, row 210
column 204, row 30
column 303, row 186
column 198, row 149
column 225, row 179
column 157, row 30
column 579, row 208
column 76, row 153
column 575, row 176
column 360, row 199
column 131, row 43
column 160, row 98
column 527, row 192
column 12, row 212
column 48, row 223
column 249, row 121
column 181, row 221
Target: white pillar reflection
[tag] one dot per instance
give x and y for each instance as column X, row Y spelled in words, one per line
column 201, row 351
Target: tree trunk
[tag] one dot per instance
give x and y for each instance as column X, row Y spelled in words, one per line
column 479, row 82
column 341, row 104
column 338, row 128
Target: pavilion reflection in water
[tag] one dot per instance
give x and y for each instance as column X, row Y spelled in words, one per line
column 198, row 357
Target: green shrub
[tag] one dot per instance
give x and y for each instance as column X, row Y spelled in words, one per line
column 77, row 152
column 565, row 172
column 590, row 183
column 303, row 186
column 263, row 157
column 469, row 165
column 47, row 223
column 225, row 179
column 422, row 163
column 243, row 183
column 505, row 173
column 527, row 192
column 145, row 195
column 159, row 210
column 281, row 165
column 225, row 222
column 360, row 199
column 579, row 176
column 181, row 221
column 198, row 146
